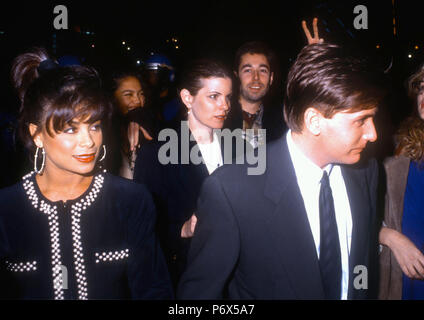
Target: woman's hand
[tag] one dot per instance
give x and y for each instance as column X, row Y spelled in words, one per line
column 409, row 257
column 315, row 38
column 133, row 135
column 187, row 230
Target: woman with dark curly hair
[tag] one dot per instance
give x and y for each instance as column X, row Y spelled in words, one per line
column 69, row 230
column 402, row 234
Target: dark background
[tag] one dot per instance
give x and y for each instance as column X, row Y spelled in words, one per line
column 217, row 29
column 207, row 28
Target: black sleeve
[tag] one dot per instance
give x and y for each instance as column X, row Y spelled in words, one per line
column 8, row 288
column 145, row 118
column 147, row 169
column 214, row 248
column 150, row 172
column 148, row 276
column 373, row 181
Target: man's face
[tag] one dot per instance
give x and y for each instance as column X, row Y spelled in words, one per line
column 255, row 77
column 345, row 135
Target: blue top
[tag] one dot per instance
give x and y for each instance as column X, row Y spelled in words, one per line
column 413, row 225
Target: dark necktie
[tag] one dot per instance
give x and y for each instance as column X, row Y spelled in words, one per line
column 329, row 256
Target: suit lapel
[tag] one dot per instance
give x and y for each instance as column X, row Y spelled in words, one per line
column 192, row 175
column 289, row 224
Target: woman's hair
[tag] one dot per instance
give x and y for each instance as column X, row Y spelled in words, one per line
column 414, row 82
column 114, row 79
column 197, row 70
column 413, row 85
column 409, row 139
column 51, row 96
column 255, row 47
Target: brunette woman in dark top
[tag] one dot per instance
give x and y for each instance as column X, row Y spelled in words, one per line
column 69, row 230
column 205, row 88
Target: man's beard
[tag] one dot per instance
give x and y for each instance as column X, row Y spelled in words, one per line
column 253, row 98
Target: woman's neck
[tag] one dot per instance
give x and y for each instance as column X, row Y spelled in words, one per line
column 59, row 186
column 201, row 133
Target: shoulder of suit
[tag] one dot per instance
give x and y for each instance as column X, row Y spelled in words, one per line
column 230, row 171
column 239, row 172
column 367, row 168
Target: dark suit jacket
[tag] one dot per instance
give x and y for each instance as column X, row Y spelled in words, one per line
column 253, row 240
column 175, row 189
column 272, row 121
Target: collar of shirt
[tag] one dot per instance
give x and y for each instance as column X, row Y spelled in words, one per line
column 211, row 154
column 306, row 171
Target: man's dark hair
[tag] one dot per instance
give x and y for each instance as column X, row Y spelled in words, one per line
column 325, row 77
column 255, row 47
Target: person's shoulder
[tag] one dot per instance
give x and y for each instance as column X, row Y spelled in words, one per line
column 243, row 164
column 124, row 188
column 10, row 192
column 147, row 163
column 395, row 161
column 128, row 200
column 11, row 196
column 149, row 148
column 366, row 168
column 365, row 164
column 230, row 171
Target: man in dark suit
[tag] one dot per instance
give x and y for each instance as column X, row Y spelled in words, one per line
column 306, row 228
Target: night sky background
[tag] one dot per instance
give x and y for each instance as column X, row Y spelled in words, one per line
column 207, row 28
column 215, row 29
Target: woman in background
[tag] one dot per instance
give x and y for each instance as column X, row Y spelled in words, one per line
column 205, row 89
column 132, row 114
column 402, row 234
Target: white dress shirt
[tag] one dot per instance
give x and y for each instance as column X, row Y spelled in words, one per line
column 309, row 177
column 211, row 154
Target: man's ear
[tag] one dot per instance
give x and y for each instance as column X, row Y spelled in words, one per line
column 236, row 74
column 38, row 141
column 186, row 98
column 271, row 79
column 313, row 120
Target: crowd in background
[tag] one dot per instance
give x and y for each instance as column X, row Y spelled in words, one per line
column 109, row 121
